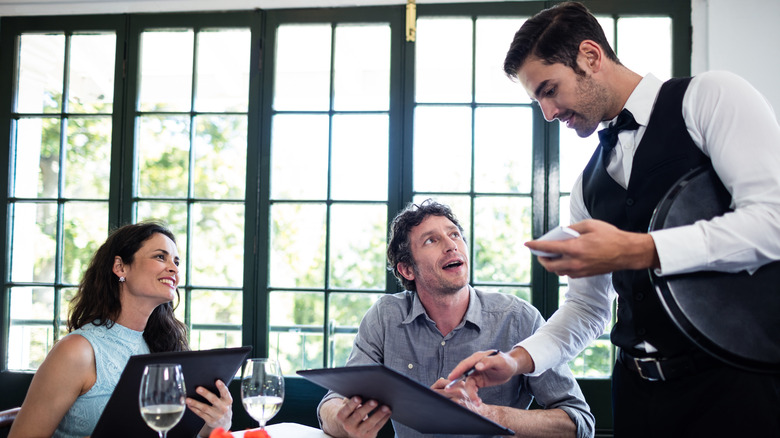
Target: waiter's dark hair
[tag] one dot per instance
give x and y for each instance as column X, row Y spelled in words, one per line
column 554, row 36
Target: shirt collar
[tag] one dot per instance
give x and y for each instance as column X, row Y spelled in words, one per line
column 473, row 313
column 641, row 100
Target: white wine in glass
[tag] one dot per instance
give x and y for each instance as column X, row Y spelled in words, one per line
column 162, row 396
column 262, row 389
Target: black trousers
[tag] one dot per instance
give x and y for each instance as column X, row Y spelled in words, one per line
column 718, row 402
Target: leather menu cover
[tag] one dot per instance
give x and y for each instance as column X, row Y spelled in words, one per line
column 412, row 403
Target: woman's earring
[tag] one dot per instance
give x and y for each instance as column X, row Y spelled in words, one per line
column 121, row 279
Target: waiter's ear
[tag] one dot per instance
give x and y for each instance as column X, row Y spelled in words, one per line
column 590, row 56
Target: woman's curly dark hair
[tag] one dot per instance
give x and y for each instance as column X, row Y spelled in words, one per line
column 97, row 300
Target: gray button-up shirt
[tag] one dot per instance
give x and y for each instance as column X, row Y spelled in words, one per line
column 398, row 333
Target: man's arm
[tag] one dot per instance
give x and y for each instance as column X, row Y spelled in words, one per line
column 543, row 423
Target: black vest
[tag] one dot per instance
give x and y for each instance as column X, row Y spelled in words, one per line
column 665, row 153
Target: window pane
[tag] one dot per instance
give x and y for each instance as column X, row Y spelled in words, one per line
column 359, row 154
column 443, row 60
column 442, row 149
column 217, row 244
column 520, row 292
column 222, row 75
column 299, row 146
column 28, row 345
column 595, row 361
column 163, row 155
column 66, row 295
column 88, row 157
column 493, row 38
column 357, row 246
column 31, row 336
column 29, row 303
column 502, row 143
column 174, row 215
column 503, row 224
column 41, row 66
column 297, row 245
column 85, row 227
column 37, row 158
column 362, row 68
column 220, row 157
column 302, row 82
column 346, row 311
column 574, row 155
column 166, row 75
column 34, row 242
column 211, row 308
column 91, row 75
column 565, row 210
column 296, row 338
column 645, row 45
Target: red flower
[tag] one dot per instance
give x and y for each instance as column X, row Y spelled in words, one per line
column 220, row 433
column 259, row 433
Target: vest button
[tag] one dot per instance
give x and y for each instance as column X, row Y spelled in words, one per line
column 639, row 296
column 629, row 202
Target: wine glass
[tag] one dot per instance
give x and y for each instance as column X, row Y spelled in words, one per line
column 262, row 389
column 162, row 396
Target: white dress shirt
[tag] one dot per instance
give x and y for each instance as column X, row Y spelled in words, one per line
column 734, row 125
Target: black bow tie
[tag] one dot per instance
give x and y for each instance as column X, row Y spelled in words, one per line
column 609, row 135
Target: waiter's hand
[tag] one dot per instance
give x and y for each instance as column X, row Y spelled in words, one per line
column 351, row 418
column 601, row 248
column 490, row 370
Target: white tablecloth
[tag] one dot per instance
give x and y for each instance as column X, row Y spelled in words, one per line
column 289, row 430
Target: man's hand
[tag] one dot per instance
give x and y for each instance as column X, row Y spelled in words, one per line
column 601, row 248
column 459, row 395
column 490, row 370
column 351, row 418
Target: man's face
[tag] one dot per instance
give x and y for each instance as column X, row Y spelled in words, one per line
column 440, row 255
column 577, row 100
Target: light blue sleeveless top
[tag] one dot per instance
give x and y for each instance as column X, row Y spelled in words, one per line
column 113, row 348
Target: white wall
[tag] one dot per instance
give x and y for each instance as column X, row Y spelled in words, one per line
column 742, row 36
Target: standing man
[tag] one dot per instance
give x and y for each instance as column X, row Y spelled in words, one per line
column 440, row 319
column 663, row 385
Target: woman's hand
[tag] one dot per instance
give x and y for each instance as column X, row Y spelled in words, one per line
column 219, row 413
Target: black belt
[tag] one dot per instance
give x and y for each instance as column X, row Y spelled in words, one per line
column 657, row 368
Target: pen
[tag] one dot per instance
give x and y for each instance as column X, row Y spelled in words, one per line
column 470, row 371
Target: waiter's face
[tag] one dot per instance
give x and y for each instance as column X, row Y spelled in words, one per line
column 576, row 100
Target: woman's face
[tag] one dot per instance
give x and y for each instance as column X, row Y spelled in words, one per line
column 154, row 273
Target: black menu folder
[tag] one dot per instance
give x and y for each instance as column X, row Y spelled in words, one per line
column 412, row 403
column 122, row 415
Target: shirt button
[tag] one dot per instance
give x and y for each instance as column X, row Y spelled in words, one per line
column 410, row 366
column 443, row 343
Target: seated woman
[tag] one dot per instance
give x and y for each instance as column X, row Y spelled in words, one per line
column 123, row 307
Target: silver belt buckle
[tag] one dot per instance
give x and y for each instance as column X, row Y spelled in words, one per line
column 639, row 360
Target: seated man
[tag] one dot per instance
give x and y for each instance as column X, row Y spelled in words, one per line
column 439, row 320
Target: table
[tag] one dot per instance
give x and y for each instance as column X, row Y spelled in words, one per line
column 289, row 430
